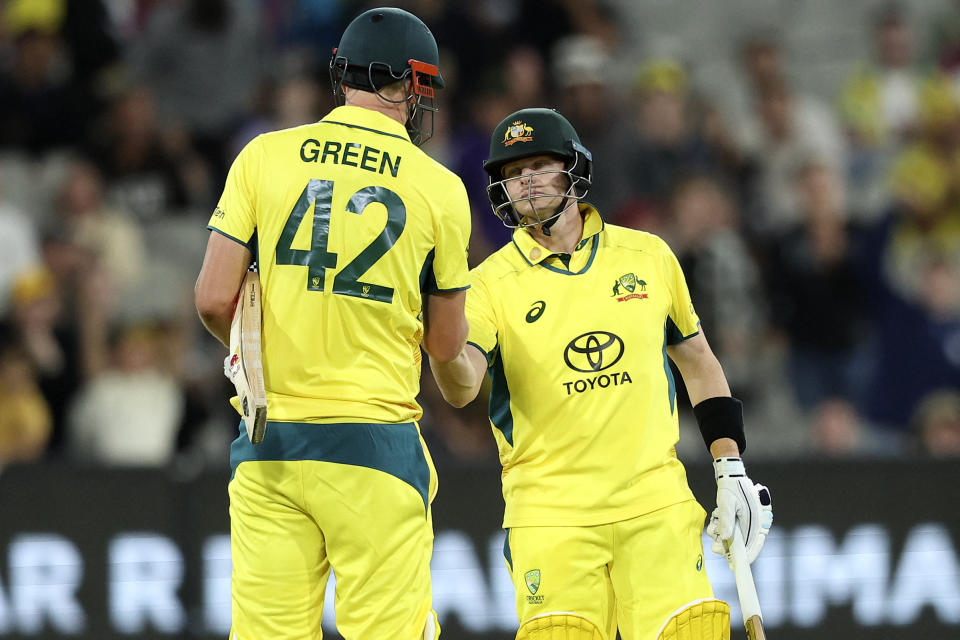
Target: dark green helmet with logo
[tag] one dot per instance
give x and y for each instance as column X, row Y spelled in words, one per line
column 383, row 46
column 533, row 132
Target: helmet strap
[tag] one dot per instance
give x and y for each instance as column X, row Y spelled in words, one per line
column 545, row 227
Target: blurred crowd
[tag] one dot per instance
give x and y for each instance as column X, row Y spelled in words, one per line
column 820, row 234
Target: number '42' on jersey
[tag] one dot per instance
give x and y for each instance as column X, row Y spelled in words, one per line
column 352, row 225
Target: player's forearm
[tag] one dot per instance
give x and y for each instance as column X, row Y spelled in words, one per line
column 705, row 379
column 459, row 379
column 218, row 324
column 702, row 374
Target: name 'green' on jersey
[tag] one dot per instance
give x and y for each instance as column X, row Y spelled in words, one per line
column 351, row 225
column 583, row 402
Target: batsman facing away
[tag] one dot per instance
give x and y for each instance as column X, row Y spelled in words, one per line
column 603, row 532
column 361, row 241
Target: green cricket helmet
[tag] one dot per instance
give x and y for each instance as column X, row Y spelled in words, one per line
column 383, row 46
column 533, row 132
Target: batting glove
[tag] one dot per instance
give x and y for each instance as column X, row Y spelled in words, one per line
column 739, row 501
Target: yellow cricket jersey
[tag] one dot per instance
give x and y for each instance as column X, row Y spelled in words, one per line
column 582, row 403
column 351, row 225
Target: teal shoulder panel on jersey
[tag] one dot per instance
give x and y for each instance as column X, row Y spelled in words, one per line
column 673, row 333
column 391, row 448
column 428, row 281
column 671, row 383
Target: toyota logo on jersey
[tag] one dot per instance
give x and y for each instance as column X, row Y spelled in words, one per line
column 593, row 351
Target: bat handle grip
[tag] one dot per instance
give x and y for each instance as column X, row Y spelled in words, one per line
column 746, row 589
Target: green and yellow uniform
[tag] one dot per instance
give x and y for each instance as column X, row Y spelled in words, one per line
column 351, row 226
column 350, row 222
column 584, row 411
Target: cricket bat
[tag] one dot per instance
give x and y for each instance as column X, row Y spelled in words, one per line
column 244, row 364
column 746, row 589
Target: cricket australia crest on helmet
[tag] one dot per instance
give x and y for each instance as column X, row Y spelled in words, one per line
column 539, row 132
column 519, row 131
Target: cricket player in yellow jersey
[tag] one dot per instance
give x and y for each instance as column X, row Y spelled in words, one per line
column 574, row 321
column 361, row 243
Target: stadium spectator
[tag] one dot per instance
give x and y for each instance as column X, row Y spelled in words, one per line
column 43, row 107
column 129, row 415
column 661, row 144
column 788, row 129
column 815, row 290
column 921, row 228
column 839, row 431
column 25, row 421
column 936, row 423
column 723, row 277
column 203, row 60
column 110, row 236
column 880, row 109
column 18, row 246
column 148, row 171
column 880, row 99
column 36, row 324
column 905, row 370
column 774, row 126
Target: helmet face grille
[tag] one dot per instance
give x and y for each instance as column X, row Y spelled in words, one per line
column 504, row 206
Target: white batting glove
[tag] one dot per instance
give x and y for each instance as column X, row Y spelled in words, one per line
column 231, row 366
column 739, row 500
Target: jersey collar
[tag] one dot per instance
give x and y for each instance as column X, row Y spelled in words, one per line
column 367, row 119
column 534, row 253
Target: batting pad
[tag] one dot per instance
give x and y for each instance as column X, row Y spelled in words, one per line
column 698, row 620
column 559, row 626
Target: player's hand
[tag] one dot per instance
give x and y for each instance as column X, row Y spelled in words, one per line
column 231, row 366
column 739, row 501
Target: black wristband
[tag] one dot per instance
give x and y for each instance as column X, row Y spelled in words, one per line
column 721, row 417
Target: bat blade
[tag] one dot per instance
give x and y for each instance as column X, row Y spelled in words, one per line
column 246, row 365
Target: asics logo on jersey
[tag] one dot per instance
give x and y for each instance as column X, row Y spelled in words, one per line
column 593, row 351
column 534, row 314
